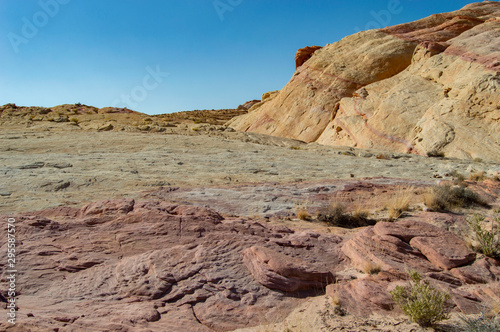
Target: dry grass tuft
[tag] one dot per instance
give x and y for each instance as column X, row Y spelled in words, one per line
column 302, row 213
column 478, row 176
column 445, row 198
column 435, row 154
column 371, row 268
column 458, row 178
column 489, row 240
column 336, row 215
column 400, row 202
column 383, row 156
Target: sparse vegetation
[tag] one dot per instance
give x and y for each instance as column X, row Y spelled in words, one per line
column 302, row 213
column 383, row 156
column 458, row 178
column 488, row 241
column 400, row 202
column 74, row 120
column 371, row 268
column 447, row 197
column 422, row 302
column 478, row 176
column 478, row 323
column 435, row 154
column 336, row 215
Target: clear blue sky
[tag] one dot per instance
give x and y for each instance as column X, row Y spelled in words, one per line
column 163, row 56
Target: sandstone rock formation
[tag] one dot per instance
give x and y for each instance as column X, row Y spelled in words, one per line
column 82, row 117
column 131, row 264
column 305, row 54
column 396, row 248
column 430, row 86
column 277, row 271
column 246, row 106
column 125, row 265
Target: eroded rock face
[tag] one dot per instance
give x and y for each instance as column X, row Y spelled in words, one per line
column 278, row 271
column 128, row 265
column 304, row 54
column 430, row 85
column 394, row 249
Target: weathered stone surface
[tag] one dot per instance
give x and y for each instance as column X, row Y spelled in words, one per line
column 442, row 248
column 248, row 104
column 482, row 271
column 429, row 85
column 127, row 264
column 408, row 229
column 445, row 252
column 390, row 253
column 305, row 54
column 406, row 245
column 366, row 295
column 278, row 271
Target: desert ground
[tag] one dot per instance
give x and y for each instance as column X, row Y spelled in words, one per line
column 254, row 177
column 365, row 191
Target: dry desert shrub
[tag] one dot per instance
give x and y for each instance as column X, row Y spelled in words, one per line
column 478, row 323
column 371, row 268
column 458, row 178
column 400, row 202
column 383, row 156
column 302, row 213
column 447, row 197
column 337, row 215
column 435, row 154
column 478, row 176
column 489, row 240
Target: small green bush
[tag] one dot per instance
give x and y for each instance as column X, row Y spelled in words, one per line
column 424, row 304
column 489, row 241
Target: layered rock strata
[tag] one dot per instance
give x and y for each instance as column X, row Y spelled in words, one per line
column 426, row 87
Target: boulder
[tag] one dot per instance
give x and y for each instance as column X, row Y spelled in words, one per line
column 445, row 252
column 278, row 271
column 366, row 295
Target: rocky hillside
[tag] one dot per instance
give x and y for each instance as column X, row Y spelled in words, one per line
column 426, row 87
column 84, row 117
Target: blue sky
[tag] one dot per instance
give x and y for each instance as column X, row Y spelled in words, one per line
column 163, row 56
